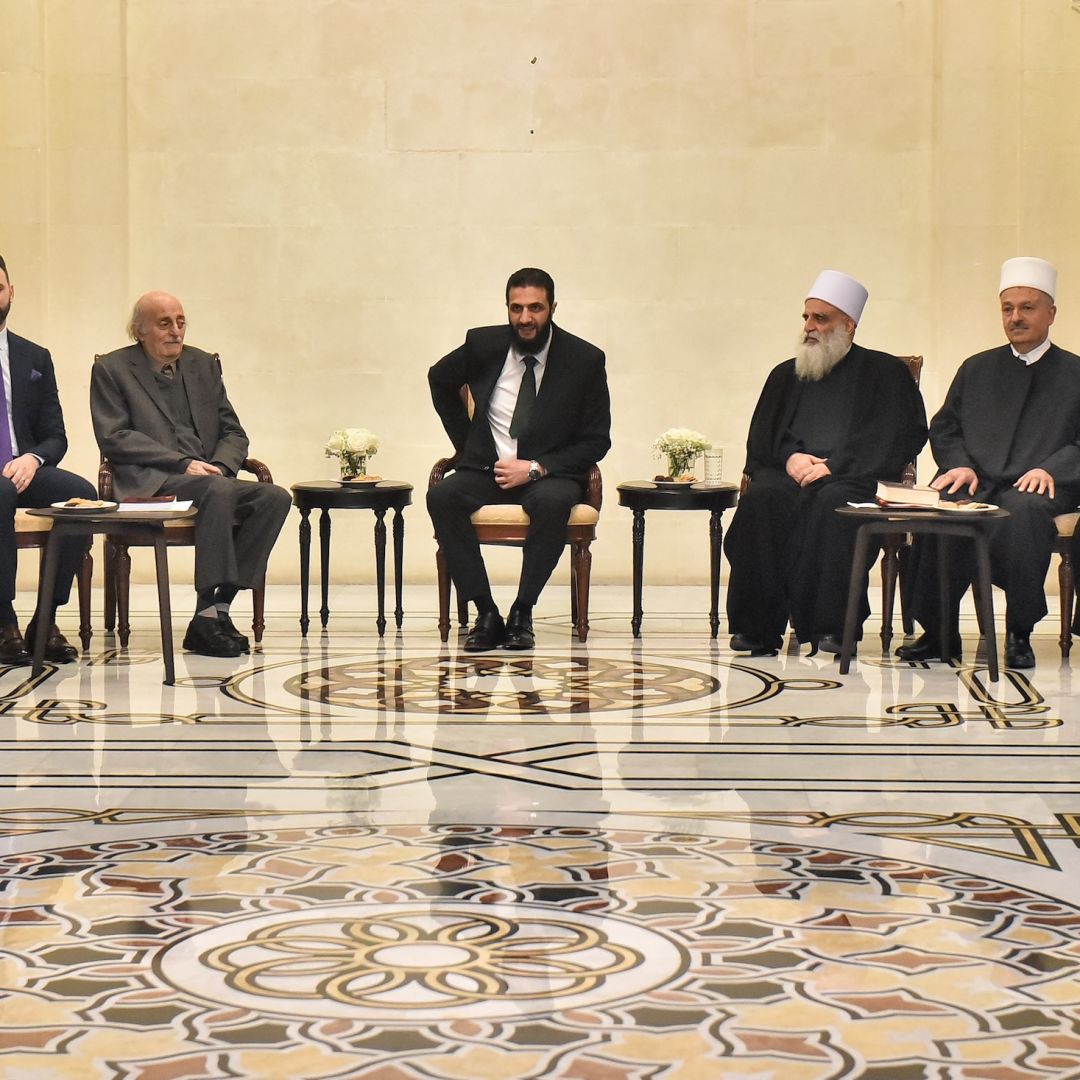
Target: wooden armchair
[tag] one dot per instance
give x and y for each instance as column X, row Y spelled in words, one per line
column 508, row 525
column 177, row 533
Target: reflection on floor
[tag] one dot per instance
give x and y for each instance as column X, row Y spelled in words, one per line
column 349, row 857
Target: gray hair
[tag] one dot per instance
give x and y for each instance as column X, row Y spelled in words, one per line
column 134, row 322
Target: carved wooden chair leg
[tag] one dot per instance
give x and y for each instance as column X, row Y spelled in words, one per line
column 444, row 595
column 258, row 611
column 582, row 555
column 1066, row 598
column 573, row 586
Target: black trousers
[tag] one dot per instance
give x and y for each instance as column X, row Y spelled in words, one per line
column 235, row 529
column 49, row 485
column 548, row 503
column 790, row 555
column 1020, row 550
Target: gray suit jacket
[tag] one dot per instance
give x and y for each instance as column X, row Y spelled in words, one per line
column 138, row 436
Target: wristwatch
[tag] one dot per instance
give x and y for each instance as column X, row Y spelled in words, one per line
column 534, row 471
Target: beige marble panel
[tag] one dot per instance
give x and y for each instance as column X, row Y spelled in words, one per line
column 20, row 41
column 22, row 95
column 82, row 41
column 23, row 185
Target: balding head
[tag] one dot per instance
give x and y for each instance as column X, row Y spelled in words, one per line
column 158, row 325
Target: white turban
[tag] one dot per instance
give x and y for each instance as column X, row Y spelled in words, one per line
column 841, row 291
column 1029, row 273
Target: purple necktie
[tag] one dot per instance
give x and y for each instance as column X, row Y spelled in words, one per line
column 5, row 427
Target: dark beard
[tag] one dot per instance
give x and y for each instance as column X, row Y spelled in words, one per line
column 530, row 348
column 4, row 314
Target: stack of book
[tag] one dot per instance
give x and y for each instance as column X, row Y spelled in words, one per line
column 907, row 496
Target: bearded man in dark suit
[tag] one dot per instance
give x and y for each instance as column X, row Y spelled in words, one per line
column 32, row 442
column 164, row 421
column 541, row 418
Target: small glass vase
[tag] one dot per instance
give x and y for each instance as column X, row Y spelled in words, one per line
column 353, row 467
column 679, row 464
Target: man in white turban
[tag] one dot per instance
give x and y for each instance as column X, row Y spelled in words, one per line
column 1008, row 434
column 829, row 424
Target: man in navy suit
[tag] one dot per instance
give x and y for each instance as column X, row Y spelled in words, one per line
column 32, row 442
column 541, row 418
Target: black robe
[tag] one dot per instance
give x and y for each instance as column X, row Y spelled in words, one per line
column 1001, row 418
column 789, row 552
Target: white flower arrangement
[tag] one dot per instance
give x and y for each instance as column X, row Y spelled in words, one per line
column 680, row 446
column 353, row 446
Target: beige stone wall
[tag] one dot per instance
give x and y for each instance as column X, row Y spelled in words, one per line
column 338, row 188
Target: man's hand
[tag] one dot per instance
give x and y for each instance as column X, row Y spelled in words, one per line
column 20, row 471
column 1037, row 480
column 952, row 481
column 201, row 468
column 804, row 469
column 511, row 473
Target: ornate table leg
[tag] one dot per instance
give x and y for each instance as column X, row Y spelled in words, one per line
column 986, row 596
column 639, row 559
column 380, row 567
column 161, row 566
column 324, row 550
column 858, row 561
column 399, row 553
column 305, row 561
column 716, row 541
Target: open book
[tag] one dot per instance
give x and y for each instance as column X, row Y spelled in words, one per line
column 897, row 494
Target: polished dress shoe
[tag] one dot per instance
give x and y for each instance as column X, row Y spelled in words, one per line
column 833, row 643
column 746, row 644
column 228, row 628
column 519, row 630
column 488, row 632
column 205, row 637
column 926, row 647
column 1018, row 652
column 13, row 651
column 58, row 650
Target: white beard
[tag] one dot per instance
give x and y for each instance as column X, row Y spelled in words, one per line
column 815, row 359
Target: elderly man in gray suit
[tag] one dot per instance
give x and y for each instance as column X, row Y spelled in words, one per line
column 164, row 421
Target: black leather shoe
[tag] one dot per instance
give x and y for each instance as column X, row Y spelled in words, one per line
column 205, row 637
column 228, row 628
column 743, row 643
column 13, row 651
column 1018, row 652
column 834, row 643
column 488, row 632
column 519, row 630
column 926, row 647
column 58, row 650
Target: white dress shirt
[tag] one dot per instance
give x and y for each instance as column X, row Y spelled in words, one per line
column 504, row 396
column 1037, row 353
column 5, row 365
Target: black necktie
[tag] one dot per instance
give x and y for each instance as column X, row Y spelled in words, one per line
column 526, row 398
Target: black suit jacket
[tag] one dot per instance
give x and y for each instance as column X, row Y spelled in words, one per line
column 136, row 433
column 570, row 425
column 35, row 402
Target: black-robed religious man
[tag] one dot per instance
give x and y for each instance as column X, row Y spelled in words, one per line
column 829, row 424
column 541, row 418
column 1008, row 434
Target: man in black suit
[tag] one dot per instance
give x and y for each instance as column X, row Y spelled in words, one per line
column 541, row 418
column 32, row 442
column 1008, row 434
column 164, row 421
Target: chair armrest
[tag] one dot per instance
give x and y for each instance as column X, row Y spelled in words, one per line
column 262, row 473
column 105, row 481
column 440, row 469
column 744, row 483
column 594, row 487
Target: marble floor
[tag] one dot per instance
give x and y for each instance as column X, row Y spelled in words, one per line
column 626, row 860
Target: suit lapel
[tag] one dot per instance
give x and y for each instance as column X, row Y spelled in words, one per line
column 140, row 368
